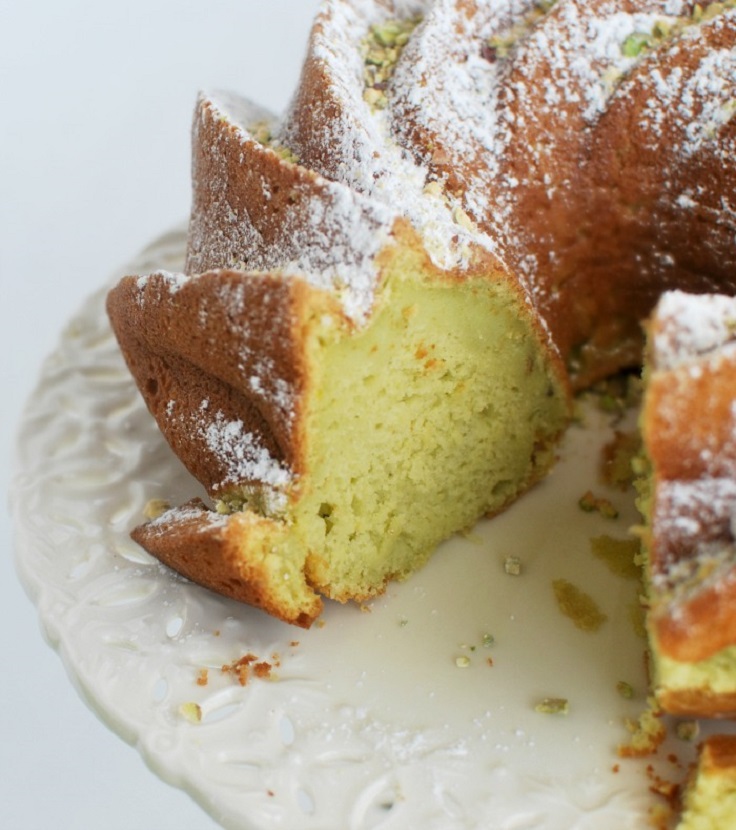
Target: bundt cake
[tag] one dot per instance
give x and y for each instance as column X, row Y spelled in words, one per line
column 465, row 214
column 688, row 423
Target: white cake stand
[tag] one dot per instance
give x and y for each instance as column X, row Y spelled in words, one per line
column 402, row 714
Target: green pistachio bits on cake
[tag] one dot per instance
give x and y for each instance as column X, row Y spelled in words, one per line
column 262, row 133
column 191, row 712
column 619, row 460
column 512, row 565
column 381, row 49
column 499, row 46
column 635, row 44
column 155, row 508
column 639, row 42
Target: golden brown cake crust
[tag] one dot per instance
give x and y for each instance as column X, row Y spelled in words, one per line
column 697, row 703
column 190, row 341
column 718, row 754
column 208, row 549
column 254, row 211
column 652, row 213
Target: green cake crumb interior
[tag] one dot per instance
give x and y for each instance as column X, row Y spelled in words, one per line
column 709, row 801
column 441, row 410
column 437, row 412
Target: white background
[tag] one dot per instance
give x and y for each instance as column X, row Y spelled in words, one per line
column 96, row 102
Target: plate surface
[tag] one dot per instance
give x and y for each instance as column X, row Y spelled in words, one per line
column 414, row 711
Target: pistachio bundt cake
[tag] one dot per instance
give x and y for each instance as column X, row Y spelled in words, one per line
column 389, row 295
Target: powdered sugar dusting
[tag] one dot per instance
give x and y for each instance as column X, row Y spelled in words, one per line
column 697, row 518
column 241, row 454
column 246, row 460
column 330, row 237
column 686, row 327
column 481, row 127
column 204, row 519
column 588, row 60
column 702, row 100
column 173, row 282
column 361, row 144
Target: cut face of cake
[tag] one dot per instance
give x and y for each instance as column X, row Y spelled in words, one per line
column 688, row 500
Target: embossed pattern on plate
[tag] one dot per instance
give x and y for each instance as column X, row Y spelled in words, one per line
column 416, row 711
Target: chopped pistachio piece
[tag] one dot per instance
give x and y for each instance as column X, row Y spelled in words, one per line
column 155, row 508
column 512, row 565
column 462, row 662
column 597, row 504
column 433, row 188
column 626, row 690
column 391, row 33
column 661, row 30
column 375, row 98
column 284, row 153
column 636, row 43
column 191, row 712
column 381, row 49
column 460, row 217
column 619, row 459
column 553, row 706
column 687, row 730
column 261, row 132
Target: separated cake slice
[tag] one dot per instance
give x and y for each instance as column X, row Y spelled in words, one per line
column 688, row 500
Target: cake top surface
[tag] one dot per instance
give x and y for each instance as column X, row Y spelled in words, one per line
column 333, row 240
column 487, row 102
column 365, row 149
column 479, row 124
